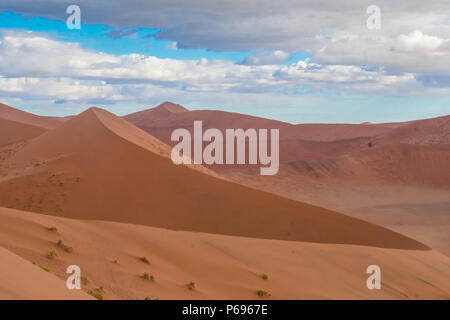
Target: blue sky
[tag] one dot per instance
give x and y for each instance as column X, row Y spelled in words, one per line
column 242, row 60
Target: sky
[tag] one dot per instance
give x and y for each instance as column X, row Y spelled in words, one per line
column 297, row 61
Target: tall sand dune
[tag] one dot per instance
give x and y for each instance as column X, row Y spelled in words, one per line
column 98, row 166
column 394, row 174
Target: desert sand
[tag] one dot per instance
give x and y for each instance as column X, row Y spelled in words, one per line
column 13, row 114
column 222, row 267
column 98, row 166
column 21, row 279
column 12, row 131
column 111, row 193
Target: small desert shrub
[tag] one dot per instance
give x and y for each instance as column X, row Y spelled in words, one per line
column 150, row 298
column 149, row 277
column 52, row 254
column 52, row 228
column 263, row 293
column 191, row 285
column 265, row 276
column 66, row 248
column 42, row 267
column 97, row 293
column 144, row 259
column 45, row 268
column 85, row 280
column 370, row 144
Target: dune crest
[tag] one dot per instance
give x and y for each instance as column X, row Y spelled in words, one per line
column 9, row 113
column 89, row 169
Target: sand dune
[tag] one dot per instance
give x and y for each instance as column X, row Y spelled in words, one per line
column 98, row 166
column 12, row 131
column 20, row 279
column 422, row 132
column 193, row 226
column 161, row 120
column 222, row 267
column 335, row 132
column 9, row 113
column 356, row 169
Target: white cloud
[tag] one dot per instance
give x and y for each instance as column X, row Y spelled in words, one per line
column 418, row 42
column 172, row 46
column 62, row 71
column 261, row 57
column 414, row 52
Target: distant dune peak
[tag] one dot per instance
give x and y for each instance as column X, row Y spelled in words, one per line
column 171, row 107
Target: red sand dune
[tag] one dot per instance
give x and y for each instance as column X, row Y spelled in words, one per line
column 335, row 132
column 422, row 132
column 295, row 140
column 12, row 131
column 161, row 120
column 222, row 267
column 365, row 151
column 98, row 166
column 385, row 173
column 9, row 113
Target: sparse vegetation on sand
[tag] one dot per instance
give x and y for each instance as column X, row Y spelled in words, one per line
column 191, row 285
column 97, row 293
column 52, row 254
column 47, row 269
column 52, row 228
column 66, row 248
column 265, row 276
column 263, row 293
column 42, row 267
column 148, row 276
column 144, row 259
column 150, row 298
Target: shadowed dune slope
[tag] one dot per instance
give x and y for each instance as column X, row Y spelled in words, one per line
column 98, row 166
column 222, row 267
